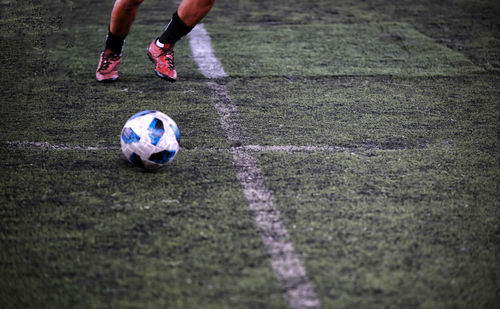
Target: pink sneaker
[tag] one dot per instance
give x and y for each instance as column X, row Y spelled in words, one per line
column 163, row 58
column 107, row 70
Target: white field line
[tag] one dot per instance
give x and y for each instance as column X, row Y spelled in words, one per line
column 251, row 148
column 45, row 145
column 298, row 291
column 203, row 54
column 292, row 148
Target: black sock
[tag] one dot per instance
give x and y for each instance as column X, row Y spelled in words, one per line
column 174, row 31
column 115, row 43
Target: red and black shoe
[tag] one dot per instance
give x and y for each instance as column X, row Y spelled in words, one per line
column 107, row 69
column 163, row 58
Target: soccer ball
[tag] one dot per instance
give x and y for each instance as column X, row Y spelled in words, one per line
column 150, row 139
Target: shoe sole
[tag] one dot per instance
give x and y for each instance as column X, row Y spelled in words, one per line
column 162, row 76
column 107, row 80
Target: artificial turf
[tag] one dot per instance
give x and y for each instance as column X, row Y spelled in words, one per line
column 401, row 212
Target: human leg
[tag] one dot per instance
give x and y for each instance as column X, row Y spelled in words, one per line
column 122, row 18
column 189, row 13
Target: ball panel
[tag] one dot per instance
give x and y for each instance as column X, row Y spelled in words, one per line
column 136, row 160
column 129, row 136
column 177, row 133
column 156, row 130
column 162, row 157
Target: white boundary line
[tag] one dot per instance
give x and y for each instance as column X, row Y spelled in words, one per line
column 251, row 148
column 298, row 290
column 292, row 148
column 46, row 145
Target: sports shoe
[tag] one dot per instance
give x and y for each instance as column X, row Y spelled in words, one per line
column 107, row 69
column 163, row 58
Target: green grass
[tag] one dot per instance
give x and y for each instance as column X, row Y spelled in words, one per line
column 377, row 112
column 87, row 230
column 405, row 216
column 317, row 50
column 374, row 233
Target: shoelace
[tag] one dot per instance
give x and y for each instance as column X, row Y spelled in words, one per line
column 168, row 53
column 106, row 61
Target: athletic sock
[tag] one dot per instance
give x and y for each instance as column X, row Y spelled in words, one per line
column 114, row 43
column 174, row 31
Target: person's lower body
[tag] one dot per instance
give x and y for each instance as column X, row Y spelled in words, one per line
column 161, row 50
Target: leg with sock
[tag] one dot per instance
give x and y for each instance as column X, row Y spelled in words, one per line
column 161, row 50
column 114, row 44
column 122, row 18
column 174, row 31
column 110, row 59
column 189, row 13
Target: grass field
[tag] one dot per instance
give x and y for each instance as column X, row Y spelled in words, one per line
column 375, row 126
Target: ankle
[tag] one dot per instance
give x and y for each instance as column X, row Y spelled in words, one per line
column 114, row 43
column 175, row 30
column 109, row 52
column 163, row 45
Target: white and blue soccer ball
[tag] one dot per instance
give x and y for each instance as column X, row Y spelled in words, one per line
column 150, row 139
